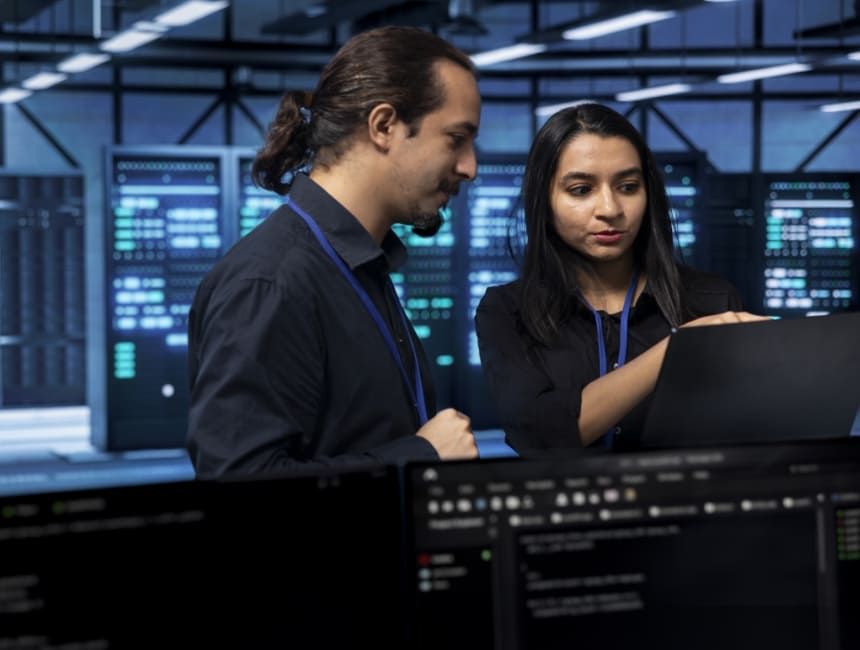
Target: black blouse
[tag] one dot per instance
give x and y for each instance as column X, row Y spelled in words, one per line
column 537, row 390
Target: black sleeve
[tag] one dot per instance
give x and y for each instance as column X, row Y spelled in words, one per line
column 707, row 293
column 257, row 380
column 536, row 411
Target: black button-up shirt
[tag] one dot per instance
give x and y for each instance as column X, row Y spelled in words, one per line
column 288, row 368
column 537, row 391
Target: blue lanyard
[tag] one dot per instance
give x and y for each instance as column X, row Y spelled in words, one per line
column 416, row 393
column 622, row 347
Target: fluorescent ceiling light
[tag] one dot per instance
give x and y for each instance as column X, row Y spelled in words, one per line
column 842, row 106
column 763, row 73
column 12, row 95
column 550, row 109
column 82, row 62
column 139, row 34
column 44, row 80
column 518, row 51
column 650, row 93
column 189, row 12
column 854, row 56
column 611, row 25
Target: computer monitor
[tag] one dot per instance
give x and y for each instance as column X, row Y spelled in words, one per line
column 164, row 229
column 42, row 297
column 738, row 548
column 273, row 562
column 809, row 234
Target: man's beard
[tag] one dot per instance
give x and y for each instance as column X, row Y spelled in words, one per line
column 427, row 224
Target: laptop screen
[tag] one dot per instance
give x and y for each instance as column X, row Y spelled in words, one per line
column 789, row 379
column 748, row 547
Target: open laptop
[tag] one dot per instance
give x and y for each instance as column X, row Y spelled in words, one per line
column 774, row 380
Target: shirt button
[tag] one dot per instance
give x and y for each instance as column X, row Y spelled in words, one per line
column 617, row 431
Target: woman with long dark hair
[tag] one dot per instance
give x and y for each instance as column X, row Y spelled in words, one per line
column 572, row 348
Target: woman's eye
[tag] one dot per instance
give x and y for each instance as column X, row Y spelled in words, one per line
column 579, row 190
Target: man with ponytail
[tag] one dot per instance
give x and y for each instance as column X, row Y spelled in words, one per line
column 300, row 353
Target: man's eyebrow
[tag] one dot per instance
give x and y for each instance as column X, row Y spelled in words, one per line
column 469, row 127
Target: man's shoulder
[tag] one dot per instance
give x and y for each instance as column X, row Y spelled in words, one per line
column 279, row 250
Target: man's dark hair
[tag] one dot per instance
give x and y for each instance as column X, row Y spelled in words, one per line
column 393, row 65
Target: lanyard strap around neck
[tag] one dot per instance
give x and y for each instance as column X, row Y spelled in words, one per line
column 416, row 391
column 622, row 346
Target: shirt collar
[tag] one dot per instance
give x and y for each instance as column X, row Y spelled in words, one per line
column 644, row 303
column 343, row 231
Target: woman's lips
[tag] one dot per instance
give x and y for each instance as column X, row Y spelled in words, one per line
column 609, row 236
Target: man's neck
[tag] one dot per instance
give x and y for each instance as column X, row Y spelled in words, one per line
column 356, row 191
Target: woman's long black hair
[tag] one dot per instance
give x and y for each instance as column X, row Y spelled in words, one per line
column 549, row 265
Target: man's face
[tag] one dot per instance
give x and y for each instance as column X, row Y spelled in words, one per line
column 429, row 165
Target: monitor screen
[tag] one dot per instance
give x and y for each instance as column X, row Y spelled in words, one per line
column 42, row 302
column 267, row 563
column 164, row 230
column 811, row 262
column 716, row 548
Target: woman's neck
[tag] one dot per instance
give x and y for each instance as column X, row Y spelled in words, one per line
column 605, row 286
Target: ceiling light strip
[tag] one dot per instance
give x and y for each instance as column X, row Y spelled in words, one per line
column 617, row 24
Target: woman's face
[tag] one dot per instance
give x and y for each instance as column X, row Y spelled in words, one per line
column 598, row 197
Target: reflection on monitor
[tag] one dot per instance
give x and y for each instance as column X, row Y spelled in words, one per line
column 42, row 324
column 164, row 230
column 810, row 246
column 713, row 549
column 265, row 563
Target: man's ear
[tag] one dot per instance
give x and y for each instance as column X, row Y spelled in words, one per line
column 380, row 125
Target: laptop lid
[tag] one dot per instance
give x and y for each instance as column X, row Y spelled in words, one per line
column 773, row 380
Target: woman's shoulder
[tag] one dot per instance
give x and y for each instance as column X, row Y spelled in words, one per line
column 502, row 296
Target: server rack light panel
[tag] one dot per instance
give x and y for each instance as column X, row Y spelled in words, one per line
column 682, row 175
column 810, row 244
column 165, row 229
column 489, row 217
column 426, row 287
column 42, row 319
column 255, row 203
